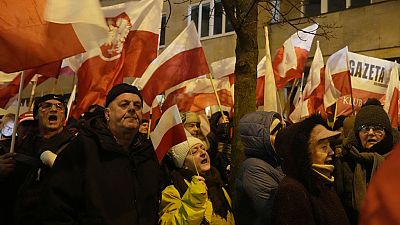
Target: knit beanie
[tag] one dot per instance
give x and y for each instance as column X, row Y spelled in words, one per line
column 372, row 115
column 47, row 97
column 120, row 89
column 190, row 117
column 180, row 151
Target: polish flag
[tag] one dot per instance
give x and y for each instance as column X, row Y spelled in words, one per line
column 392, row 96
column 182, row 60
column 8, row 92
column 260, row 82
column 152, row 114
column 223, row 68
column 337, row 77
column 168, row 133
column 310, row 101
column 197, row 94
column 131, row 45
column 37, row 32
column 291, row 58
column 271, row 97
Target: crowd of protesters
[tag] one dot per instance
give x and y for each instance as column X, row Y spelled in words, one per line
column 103, row 168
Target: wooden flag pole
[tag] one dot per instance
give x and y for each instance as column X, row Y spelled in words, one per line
column 225, row 120
column 194, row 162
column 14, row 134
column 32, row 92
column 287, row 105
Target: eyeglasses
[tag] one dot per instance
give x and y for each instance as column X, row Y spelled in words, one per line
column 48, row 105
column 377, row 129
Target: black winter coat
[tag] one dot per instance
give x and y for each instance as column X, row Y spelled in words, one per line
column 96, row 181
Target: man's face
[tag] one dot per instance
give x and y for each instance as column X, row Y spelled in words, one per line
column 193, row 128
column 370, row 135
column 321, row 152
column 124, row 112
column 144, row 127
column 51, row 115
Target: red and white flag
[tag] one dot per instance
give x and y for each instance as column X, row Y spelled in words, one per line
column 197, row 94
column 168, row 133
column 260, row 82
column 223, row 68
column 9, row 91
column 182, row 60
column 37, row 32
column 310, row 100
column 337, row 77
column 291, row 58
column 131, row 45
column 392, row 96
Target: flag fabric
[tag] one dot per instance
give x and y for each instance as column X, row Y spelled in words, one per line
column 260, row 85
column 310, row 100
column 291, row 58
column 392, row 97
column 168, row 133
column 8, row 92
column 223, row 68
column 132, row 44
column 154, row 113
column 196, row 94
column 337, row 77
column 182, row 60
column 271, row 98
column 37, row 32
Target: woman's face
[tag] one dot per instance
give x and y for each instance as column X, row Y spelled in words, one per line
column 198, row 157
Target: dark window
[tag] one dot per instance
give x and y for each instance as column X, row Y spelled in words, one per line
column 336, row 5
column 194, row 15
column 358, row 3
column 162, row 32
column 218, row 12
column 312, row 7
column 205, row 20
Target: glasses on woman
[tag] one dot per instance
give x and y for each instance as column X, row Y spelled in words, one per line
column 48, row 105
column 377, row 129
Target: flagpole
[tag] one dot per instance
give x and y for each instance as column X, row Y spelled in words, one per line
column 225, row 120
column 32, row 92
column 149, row 127
column 194, row 162
column 301, row 94
column 295, row 82
column 14, row 134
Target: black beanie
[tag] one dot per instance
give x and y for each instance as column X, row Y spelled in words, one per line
column 372, row 115
column 120, row 89
column 44, row 98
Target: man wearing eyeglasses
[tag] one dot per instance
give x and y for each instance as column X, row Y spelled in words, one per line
column 35, row 155
column 363, row 152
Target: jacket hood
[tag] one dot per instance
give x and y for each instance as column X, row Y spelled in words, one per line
column 292, row 144
column 254, row 131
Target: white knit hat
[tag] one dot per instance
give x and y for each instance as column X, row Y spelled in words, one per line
column 180, row 151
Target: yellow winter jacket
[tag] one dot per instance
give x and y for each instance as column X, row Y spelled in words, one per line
column 191, row 208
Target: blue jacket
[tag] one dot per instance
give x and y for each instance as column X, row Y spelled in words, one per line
column 260, row 173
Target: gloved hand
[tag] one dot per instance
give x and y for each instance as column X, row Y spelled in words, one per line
column 223, row 133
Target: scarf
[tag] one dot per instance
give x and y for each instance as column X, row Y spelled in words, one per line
column 214, row 184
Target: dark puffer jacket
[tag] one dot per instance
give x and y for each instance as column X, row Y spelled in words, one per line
column 96, row 181
column 260, row 173
column 303, row 196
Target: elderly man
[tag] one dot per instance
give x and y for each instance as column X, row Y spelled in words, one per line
column 109, row 174
column 363, row 152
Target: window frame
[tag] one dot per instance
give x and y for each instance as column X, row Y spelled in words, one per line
column 211, row 20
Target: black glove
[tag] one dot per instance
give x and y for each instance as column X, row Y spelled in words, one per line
column 223, row 132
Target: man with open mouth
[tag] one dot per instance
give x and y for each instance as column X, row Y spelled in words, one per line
column 36, row 153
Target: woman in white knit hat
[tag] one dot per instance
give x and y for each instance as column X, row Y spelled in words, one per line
column 196, row 195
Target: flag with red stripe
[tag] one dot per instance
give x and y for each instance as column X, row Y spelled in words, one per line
column 37, row 32
column 291, row 58
column 182, row 60
column 168, row 133
column 392, row 96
